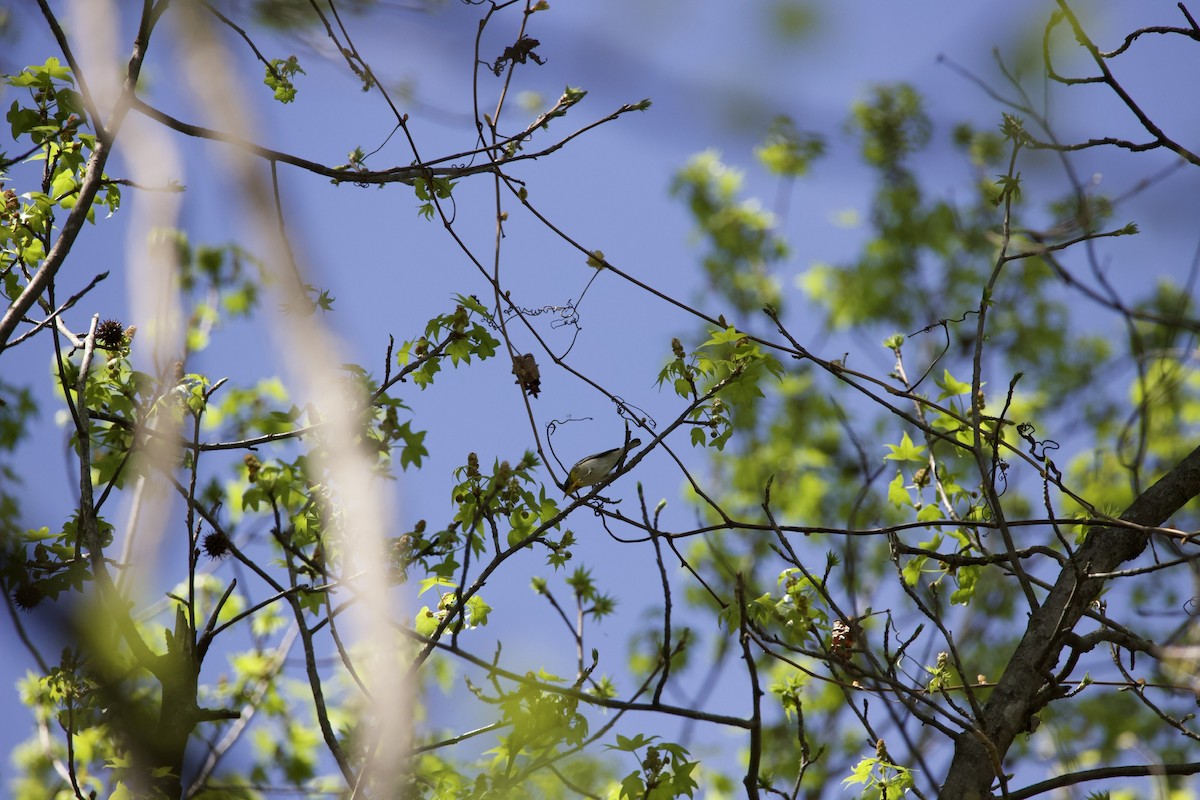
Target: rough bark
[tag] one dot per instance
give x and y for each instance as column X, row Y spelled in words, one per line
column 979, row 754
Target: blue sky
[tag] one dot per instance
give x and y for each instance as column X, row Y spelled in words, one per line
column 717, row 74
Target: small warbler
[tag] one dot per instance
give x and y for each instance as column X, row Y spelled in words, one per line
column 596, row 467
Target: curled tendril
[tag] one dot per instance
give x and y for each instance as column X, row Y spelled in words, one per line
column 568, row 315
column 1026, row 431
column 634, row 414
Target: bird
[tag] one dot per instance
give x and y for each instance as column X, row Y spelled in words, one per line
column 597, row 466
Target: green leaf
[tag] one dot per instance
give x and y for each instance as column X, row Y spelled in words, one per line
column 967, row 577
column 426, row 622
column 312, row 602
column 629, row 744
column 414, row 446
column 929, row 512
column 912, row 570
column 951, row 386
column 428, row 583
column 787, row 151
column 906, row 451
column 861, row 772
column 477, row 612
column 63, row 183
column 633, row 787
column 897, row 494
column 279, row 78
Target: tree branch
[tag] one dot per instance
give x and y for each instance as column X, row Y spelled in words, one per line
column 978, row 753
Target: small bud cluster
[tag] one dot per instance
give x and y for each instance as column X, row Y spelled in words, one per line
column 253, row 465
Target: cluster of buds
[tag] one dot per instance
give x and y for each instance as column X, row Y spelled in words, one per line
column 529, row 377
column 9, row 205
column 253, row 465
